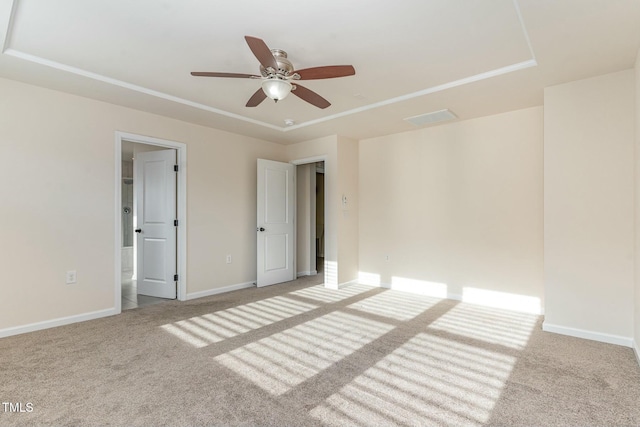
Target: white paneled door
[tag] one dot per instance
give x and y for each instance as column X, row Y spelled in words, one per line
column 155, row 185
column 276, row 222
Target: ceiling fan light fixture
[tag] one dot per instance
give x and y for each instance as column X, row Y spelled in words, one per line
column 276, row 88
column 276, row 72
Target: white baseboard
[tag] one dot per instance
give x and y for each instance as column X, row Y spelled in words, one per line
column 341, row 285
column 61, row 321
column 217, row 291
column 350, row 282
column 455, row 297
column 7, row 332
column 636, row 351
column 589, row 335
column 439, row 292
column 306, row 273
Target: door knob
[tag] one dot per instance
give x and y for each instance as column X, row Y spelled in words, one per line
column 138, row 230
column 260, row 229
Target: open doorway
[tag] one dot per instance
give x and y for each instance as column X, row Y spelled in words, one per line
column 310, row 218
column 319, row 237
column 151, row 220
column 286, row 228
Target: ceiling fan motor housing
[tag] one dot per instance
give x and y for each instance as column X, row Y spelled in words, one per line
column 285, row 67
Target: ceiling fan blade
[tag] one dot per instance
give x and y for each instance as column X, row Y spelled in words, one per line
column 233, row 75
column 310, row 96
column 327, row 72
column 262, row 52
column 256, row 98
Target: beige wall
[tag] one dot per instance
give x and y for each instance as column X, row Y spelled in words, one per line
column 636, row 322
column 58, row 201
column 459, row 205
column 303, row 218
column 221, row 203
column 348, row 232
column 341, row 227
column 327, row 146
column 455, row 206
column 589, row 205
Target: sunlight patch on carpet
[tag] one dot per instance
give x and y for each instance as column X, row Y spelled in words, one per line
column 320, row 293
column 422, row 287
column 504, row 300
column 286, row 359
column 496, row 326
column 427, row 381
column 395, row 304
column 201, row 331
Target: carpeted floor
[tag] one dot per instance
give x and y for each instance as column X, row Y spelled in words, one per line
column 297, row 354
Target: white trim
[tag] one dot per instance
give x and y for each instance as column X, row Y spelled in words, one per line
column 61, row 321
column 222, row 290
column 524, row 29
column 589, row 335
column 306, row 273
column 181, row 151
column 136, row 88
column 7, row 50
column 434, row 89
column 117, row 203
column 313, row 214
column 454, row 297
column 328, row 225
column 7, row 22
column 451, row 296
column 636, row 350
column 307, row 160
column 341, row 285
column 141, row 89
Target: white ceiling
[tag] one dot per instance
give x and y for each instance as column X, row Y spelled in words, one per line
column 411, row 56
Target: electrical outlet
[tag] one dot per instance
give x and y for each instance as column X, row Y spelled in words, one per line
column 71, row 277
column 387, row 257
column 228, row 259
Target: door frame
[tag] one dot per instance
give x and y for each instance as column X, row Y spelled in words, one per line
column 304, row 161
column 181, row 200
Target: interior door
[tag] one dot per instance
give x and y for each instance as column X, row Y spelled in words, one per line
column 276, row 222
column 155, row 185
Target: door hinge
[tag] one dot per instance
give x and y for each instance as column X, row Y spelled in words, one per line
column 175, row 222
column 175, row 277
column 175, row 168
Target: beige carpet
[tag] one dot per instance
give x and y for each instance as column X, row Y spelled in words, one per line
column 296, row 354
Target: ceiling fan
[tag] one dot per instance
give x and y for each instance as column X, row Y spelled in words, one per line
column 277, row 73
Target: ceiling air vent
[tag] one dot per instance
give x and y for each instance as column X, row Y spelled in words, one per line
column 434, row 117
